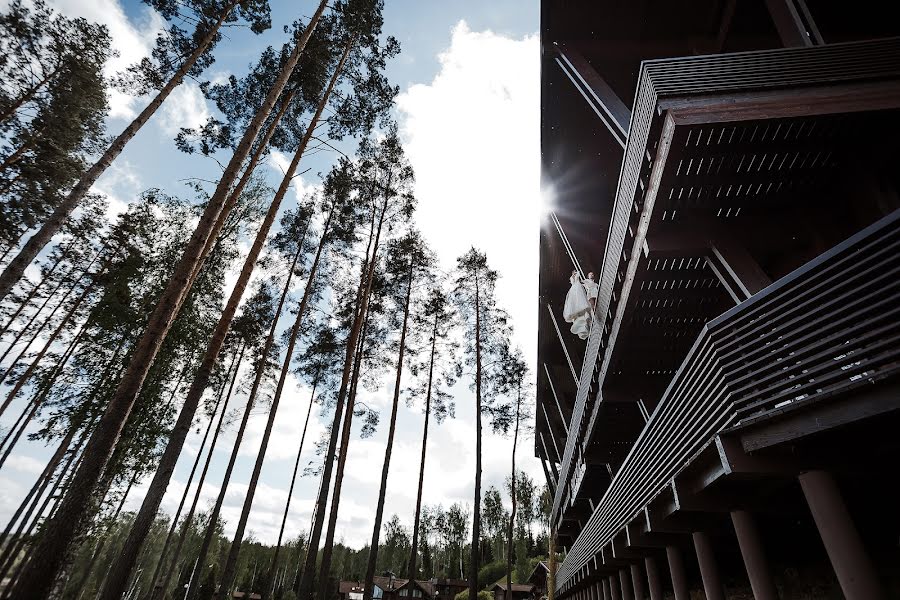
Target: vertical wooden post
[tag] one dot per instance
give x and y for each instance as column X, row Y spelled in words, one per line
column 754, row 557
column 676, row 569
column 709, row 570
column 625, row 584
column 607, row 595
column 845, row 549
column 653, row 580
column 614, row 588
column 637, row 582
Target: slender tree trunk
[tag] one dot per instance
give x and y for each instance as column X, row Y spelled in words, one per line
column 307, row 566
column 389, row 447
column 251, row 399
column 411, row 570
column 55, row 548
column 37, row 508
column 230, row 376
column 512, row 494
column 16, row 268
column 474, row 554
column 21, row 333
column 117, row 581
column 325, row 567
column 39, row 486
column 23, row 421
column 34, row 289
column 23, row 379
column 270, row 588
column 28, row 94
column 551, row 576
column 228, row 571
column 101, row 543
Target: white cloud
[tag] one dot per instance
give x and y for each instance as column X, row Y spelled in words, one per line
column 132, row 40
column 186, row 107
column 472, row 136
column 25, row 464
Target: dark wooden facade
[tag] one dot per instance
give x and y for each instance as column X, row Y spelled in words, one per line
column 729, row 171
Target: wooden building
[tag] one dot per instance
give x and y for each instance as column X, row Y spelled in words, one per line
column 520, row 591
column 388, row 587
column 729, row 170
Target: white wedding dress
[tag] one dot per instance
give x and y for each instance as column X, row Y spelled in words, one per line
column 591, row 288
column 576, row 309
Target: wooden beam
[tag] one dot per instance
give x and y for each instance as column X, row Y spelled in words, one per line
column 599, row 95
column 790, row 22
column 739, row 265
column 562, row 417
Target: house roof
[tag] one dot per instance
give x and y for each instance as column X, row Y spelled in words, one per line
column 541, row 570
column 345, row 587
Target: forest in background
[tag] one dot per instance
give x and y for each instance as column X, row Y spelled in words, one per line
column 120, row 338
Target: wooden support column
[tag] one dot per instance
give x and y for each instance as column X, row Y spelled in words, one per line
column 614, row 588
column 653, row 580
column 709, row 570
column 754, row 556
column 607, row 595
column 637, row 582
column 845, row 549
column 676, row 569
column 625, row 584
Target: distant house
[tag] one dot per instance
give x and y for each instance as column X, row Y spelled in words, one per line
column 389, row 587
column 540, row 579
column 520, row 591
column 246, row 596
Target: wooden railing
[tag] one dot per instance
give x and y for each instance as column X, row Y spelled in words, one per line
column 830, row 327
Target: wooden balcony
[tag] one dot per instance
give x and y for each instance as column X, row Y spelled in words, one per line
column 822, row 339
column 737, row 170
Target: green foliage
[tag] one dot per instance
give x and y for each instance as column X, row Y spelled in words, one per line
column 52, row 107
column 482, row 595
column 491, row 573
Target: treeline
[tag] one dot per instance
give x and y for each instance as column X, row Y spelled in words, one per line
column 125, row 338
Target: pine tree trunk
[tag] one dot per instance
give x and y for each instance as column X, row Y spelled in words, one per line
column 56, row 546
column 411, row 570
column 270, row 588
column 16, row 268
column 312, row 548
column 230, row 376
column 325, row 567
column 24, row 377
column 231, row 561
column 105, row 537
column 475, row 555
column 118, row 579
column 26, row 526
column 389, row 447
column 39, row 486
column 512, row 494
column 22, row 422
column 251, row 399
column 28, row 298
column 46, row 320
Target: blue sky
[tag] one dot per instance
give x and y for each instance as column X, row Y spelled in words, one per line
column 468, row 114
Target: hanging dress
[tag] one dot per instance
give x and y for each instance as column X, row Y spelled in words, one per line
column 576, row 309
column 591, row 288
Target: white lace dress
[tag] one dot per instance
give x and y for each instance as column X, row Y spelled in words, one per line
column 576, row 310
